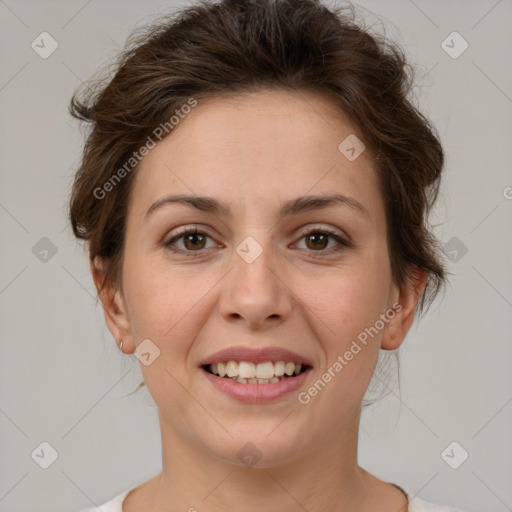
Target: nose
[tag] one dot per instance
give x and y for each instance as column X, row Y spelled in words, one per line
column 256, row 293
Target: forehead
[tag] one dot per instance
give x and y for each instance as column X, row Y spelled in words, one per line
column 258, row 147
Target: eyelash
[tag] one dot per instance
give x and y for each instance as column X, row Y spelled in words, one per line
column 323, row 231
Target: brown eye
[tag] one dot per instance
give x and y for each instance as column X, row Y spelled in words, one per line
column 192, row 241
column 317, row 240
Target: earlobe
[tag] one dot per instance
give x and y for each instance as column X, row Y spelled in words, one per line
column 407, row 299
column 114, row 308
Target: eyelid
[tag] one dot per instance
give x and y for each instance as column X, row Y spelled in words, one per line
column 191, row 228
column 328, row 229
column 186, row 230
column 342, row 240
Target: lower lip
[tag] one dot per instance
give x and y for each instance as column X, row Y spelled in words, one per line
column 256, row 393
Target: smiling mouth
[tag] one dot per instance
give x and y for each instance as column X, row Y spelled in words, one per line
column 246, row 372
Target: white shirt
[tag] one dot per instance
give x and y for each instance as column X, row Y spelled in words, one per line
column 415, row 505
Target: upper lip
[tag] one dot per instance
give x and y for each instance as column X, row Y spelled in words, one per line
column 255, row 355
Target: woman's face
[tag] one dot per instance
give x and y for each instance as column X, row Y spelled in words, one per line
column 260, row 274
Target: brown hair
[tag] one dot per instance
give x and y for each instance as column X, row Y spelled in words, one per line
column 231, row 47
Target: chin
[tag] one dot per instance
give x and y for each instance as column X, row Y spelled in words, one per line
column 260, row 448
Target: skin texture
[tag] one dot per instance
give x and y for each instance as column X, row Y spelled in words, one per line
column 255, row 151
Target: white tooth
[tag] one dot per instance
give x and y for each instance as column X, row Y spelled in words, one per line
column 265, row 370
column 262, row 381
column 241, row 379
column 232, row 369
column 252, row 381
column 214, row 368
column 298, row 368
column 246, row 370
column 274, row 379
column 279, row 368
column 221, row 368
column 289, row 368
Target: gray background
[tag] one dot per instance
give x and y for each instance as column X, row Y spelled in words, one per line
column 63, row 380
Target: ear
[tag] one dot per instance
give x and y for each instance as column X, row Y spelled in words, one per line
column 114, row 307
column 405, row 300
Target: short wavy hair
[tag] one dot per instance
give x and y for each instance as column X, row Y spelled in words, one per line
column 214, row 48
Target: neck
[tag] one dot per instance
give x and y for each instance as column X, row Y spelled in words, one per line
column 193, row 478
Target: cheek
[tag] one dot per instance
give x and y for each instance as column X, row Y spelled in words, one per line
column 157, row 299
column 168, row 305
column 347, row 307
column 345, row 316
column 347, row 301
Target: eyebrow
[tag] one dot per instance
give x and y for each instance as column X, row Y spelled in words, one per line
column 291, row 207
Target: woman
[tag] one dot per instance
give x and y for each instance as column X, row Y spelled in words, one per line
column 254, row 193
